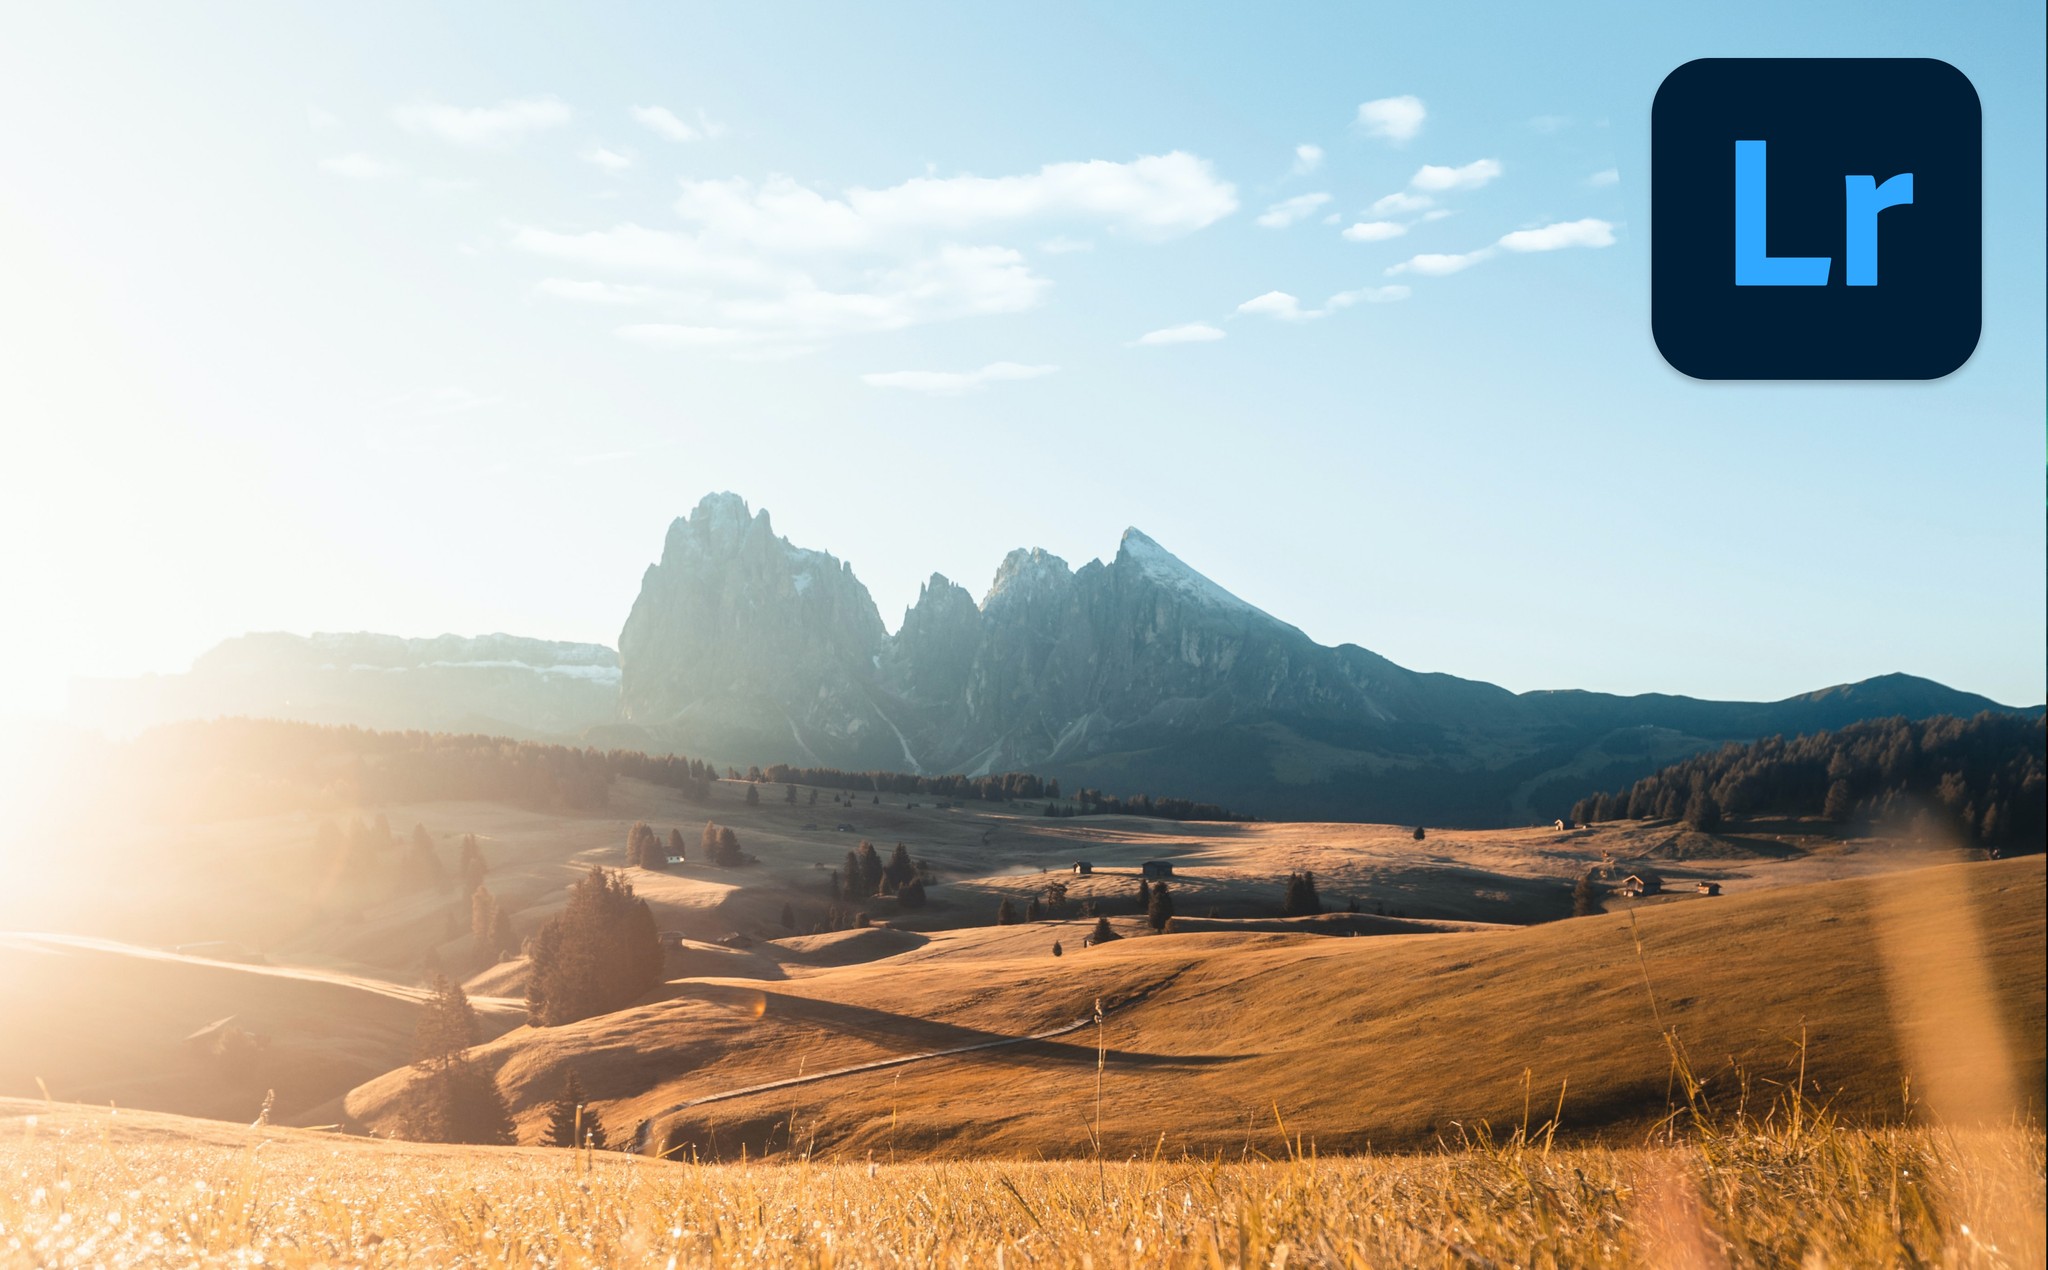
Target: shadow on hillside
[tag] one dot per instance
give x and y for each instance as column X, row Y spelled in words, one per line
column 906, row 1034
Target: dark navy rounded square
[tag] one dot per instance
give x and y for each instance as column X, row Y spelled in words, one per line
column 1764, row 170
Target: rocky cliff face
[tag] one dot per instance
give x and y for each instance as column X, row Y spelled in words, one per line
column 1135, row 674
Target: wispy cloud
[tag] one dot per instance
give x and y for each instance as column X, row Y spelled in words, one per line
column 1277, row 304
column 779, row 261
column 1400, row 202
column 608, row 159
column 1435, row 265
column 504, row 124
column 949, row 383
column 360, row 167
column 1372, row 231
column 1605, row 176
column 1367, row 295
column 1554, row 237
column 1287, row 211
column 1397, row 119
column 1307, row 158
column 1548, row 123
column 1284, row 307
column 666, row 123
column 1438, row 179
column 1572, row 233
column 1186, row 333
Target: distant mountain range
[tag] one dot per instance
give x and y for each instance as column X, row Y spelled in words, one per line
column 1136, row 675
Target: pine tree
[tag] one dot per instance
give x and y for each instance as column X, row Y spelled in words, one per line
column 570, row 1112
column 1586, row 897
column 485, row 923
column 789, row 794
column 899, row 870
column 870, row 866
column 1840, row 803
column 1031, row 911
column 1418, row 833
column 1160, row 910
column 1702, row 812
column 599, row 954
column 675, row 846
column 447, row 1027
column 458, row 1103
column 1302, row 900
column 473, row 867
column 1006, row 913
column 1104, row 932
column 753, row 795
column 911, row 893
column 727, row 854
column 503, row 937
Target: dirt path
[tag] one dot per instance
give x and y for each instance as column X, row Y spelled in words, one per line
column 877, row 1065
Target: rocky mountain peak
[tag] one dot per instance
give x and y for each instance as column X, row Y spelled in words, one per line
column 1140, row 555
column 1025, row 575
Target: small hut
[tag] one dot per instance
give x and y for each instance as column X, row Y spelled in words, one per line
column 1155, row 870
column 1082, row 868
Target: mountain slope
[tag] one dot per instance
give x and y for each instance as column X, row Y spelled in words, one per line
column 1135, row 674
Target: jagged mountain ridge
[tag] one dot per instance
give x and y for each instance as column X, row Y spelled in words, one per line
column 1137, row 673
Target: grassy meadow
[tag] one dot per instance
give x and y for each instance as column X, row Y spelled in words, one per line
column 87, row 1187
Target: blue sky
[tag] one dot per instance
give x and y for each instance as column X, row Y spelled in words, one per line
column 380, row 318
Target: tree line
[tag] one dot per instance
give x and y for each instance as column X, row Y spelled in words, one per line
column 1985, row 778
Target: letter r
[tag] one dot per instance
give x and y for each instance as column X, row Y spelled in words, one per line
column 1863, row 198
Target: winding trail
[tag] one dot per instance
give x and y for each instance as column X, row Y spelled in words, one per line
column 876, row 1065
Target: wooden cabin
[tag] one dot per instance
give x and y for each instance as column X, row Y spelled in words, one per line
column 1155, row 869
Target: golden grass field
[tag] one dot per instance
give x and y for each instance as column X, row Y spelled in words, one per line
column 1473, row 1079
column 84, row 1187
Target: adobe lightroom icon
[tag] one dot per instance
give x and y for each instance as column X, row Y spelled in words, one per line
column 1816, row 218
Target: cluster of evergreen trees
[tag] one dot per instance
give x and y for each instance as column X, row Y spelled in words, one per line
column 1302, row 900
column 1985, row 778
column 865, row 875
column 200, row 770
column 995, row 789
column 1093, row 802
column 455, row 1098
column 599, row 954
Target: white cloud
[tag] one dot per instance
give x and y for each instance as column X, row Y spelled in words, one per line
column 359, row 167
column 504, row 124
column 1286, row 308
column 1606, row 176
column 609, row 160
column 1367, row 295
column 1278, row 304
column 1436, row 265
column 1061, row 245
column 667, row 123
column 777, row 263
column 1571, row 233
column 1470, row 177
column 948, row 383
column 1307, row 158
column 1287, row 211
column 1157, row 196
column 1549, row 123
column 1398, row 119
column 1576, row 233
column 1394, row 204
column 1187, row 333
column 1372, row 231
column 590, row 292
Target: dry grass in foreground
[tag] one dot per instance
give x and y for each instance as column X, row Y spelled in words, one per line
column 83, row 1187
